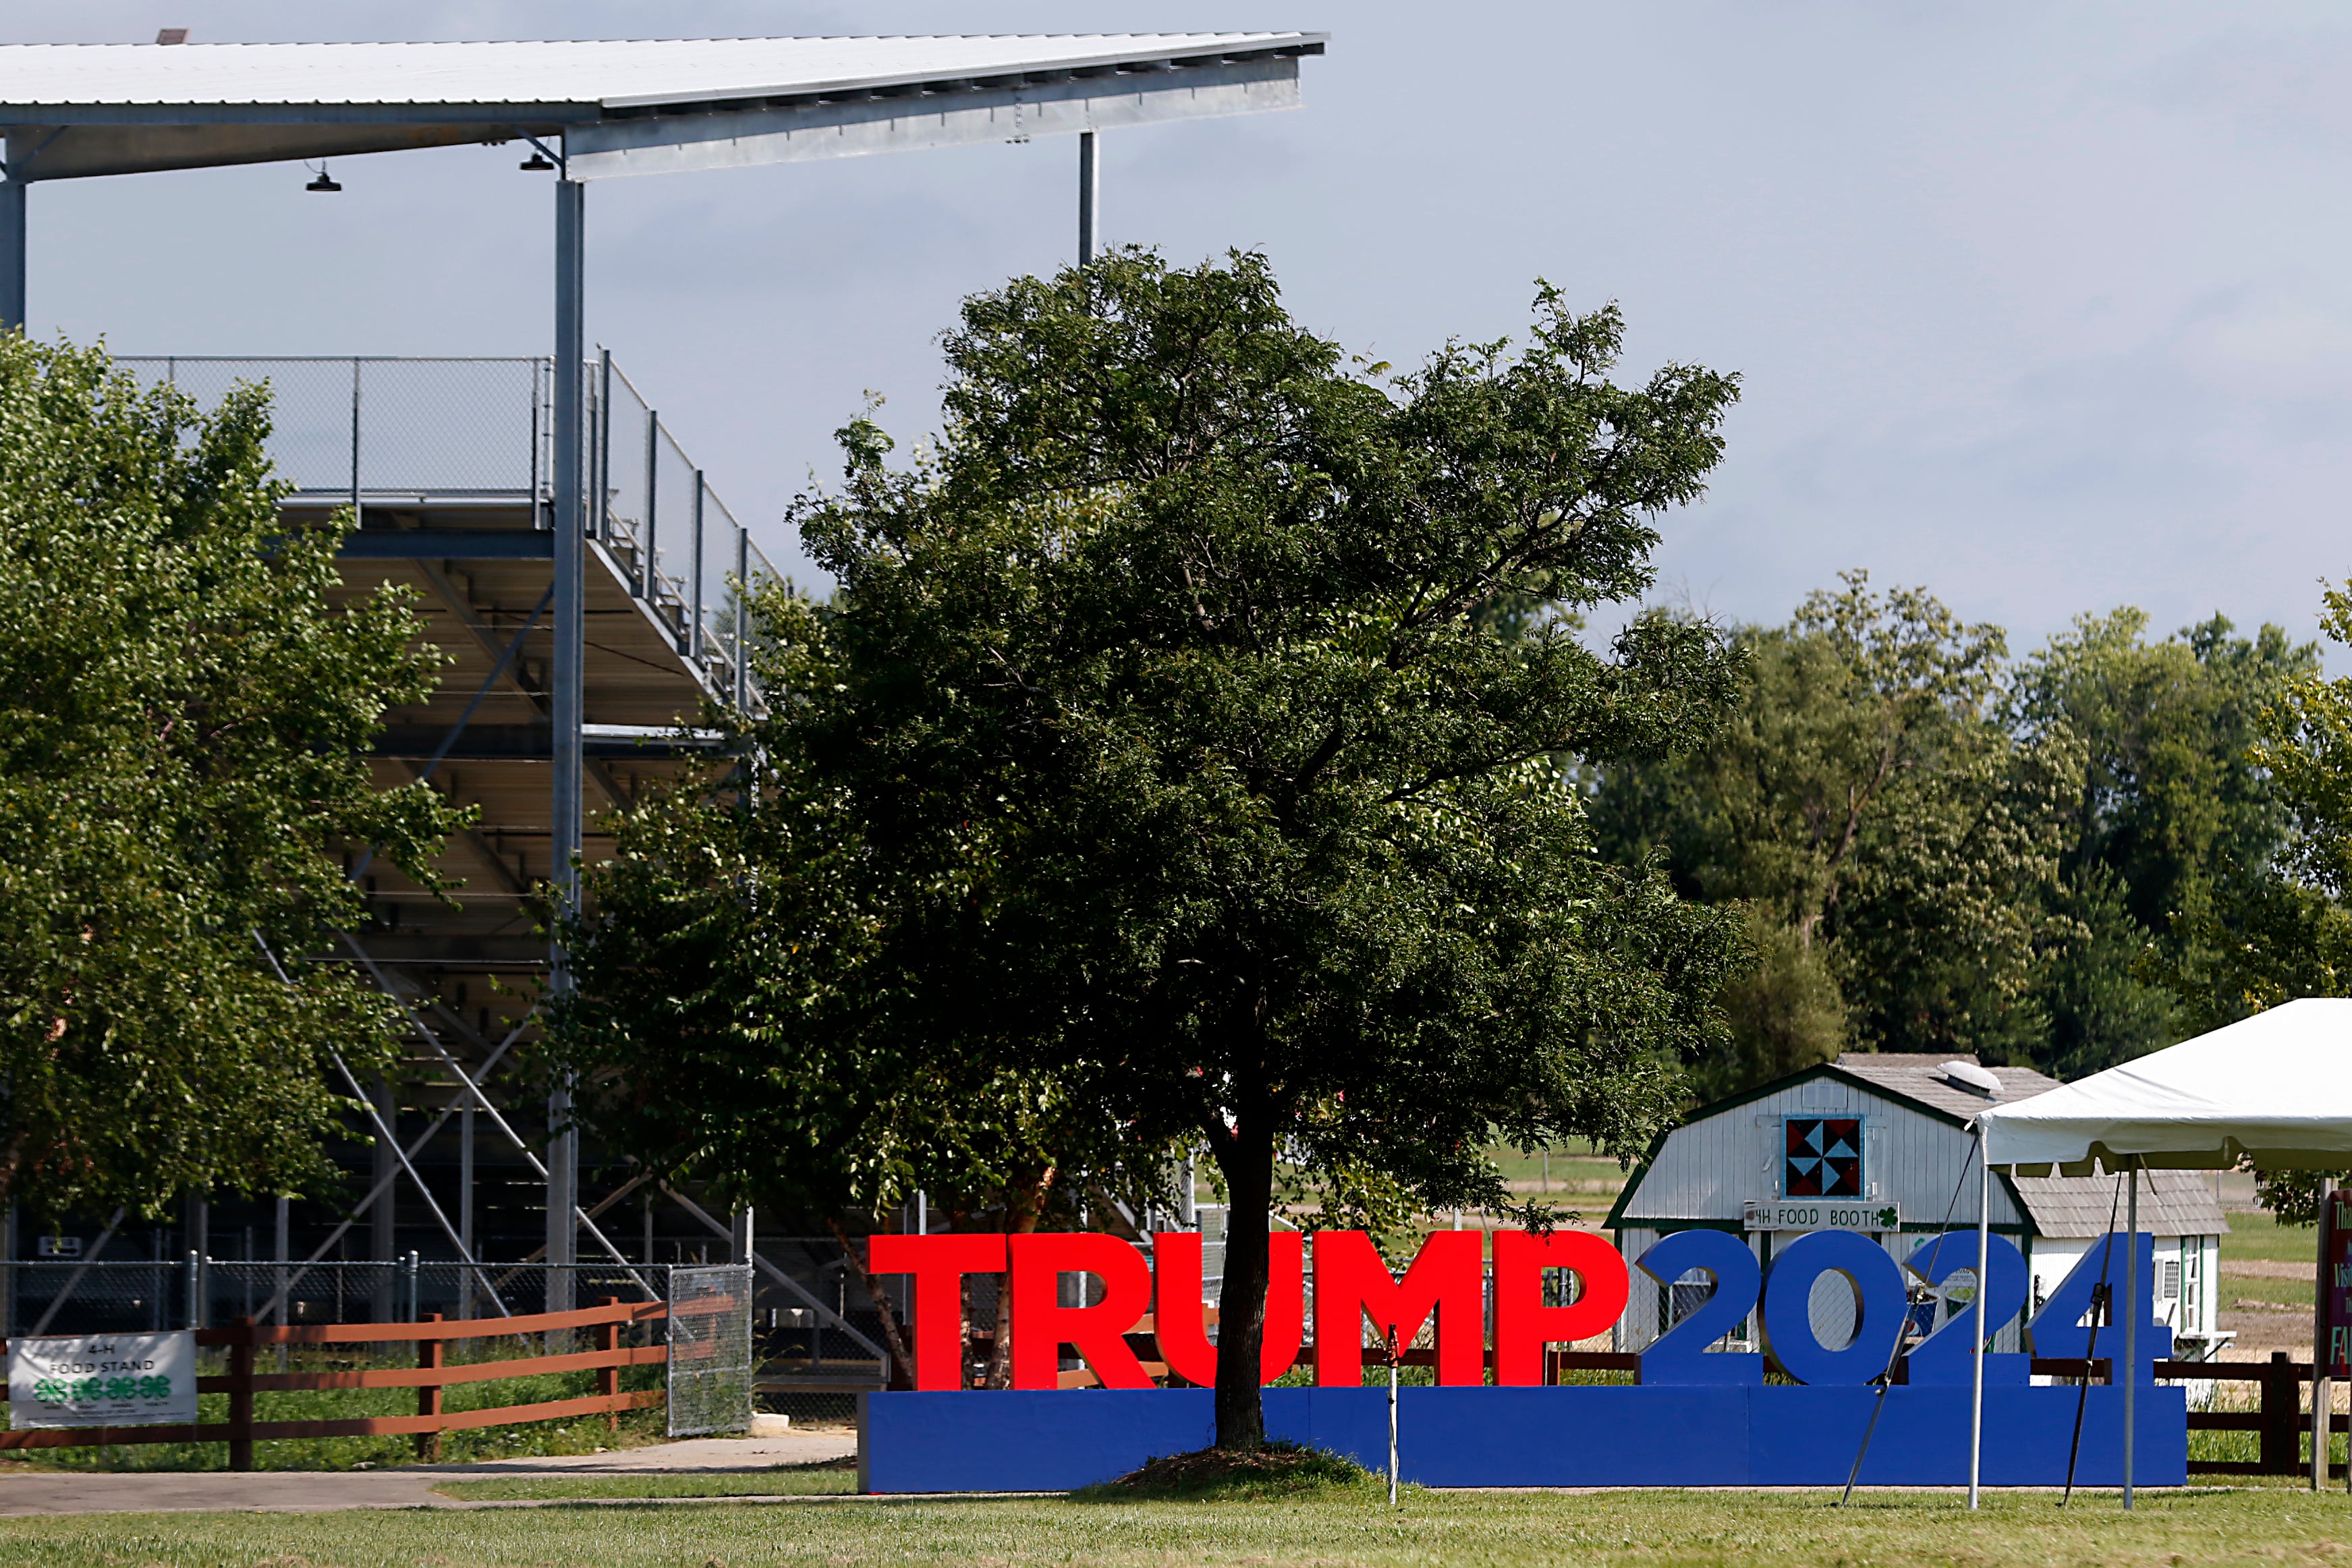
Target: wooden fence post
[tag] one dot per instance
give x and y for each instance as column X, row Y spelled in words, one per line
column 240, row 1397
column 2282, row 1416
column 608, row 1377
column 429, row 1396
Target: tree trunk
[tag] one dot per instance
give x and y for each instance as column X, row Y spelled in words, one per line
column 1022, row 1207
column 1247, row 1160
column 891, row 1338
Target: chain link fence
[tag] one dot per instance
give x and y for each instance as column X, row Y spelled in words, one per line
column 710, row 1349
column 405, row 426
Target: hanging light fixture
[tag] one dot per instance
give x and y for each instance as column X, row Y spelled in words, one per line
column 321, row 182
column 536, row 164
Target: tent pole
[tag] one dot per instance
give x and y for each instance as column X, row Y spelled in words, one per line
column 1984, row 1304
column 2131, row 1319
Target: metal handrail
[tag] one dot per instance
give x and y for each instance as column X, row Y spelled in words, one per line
column 484, row 431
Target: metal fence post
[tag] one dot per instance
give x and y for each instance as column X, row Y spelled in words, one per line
column 601, row 459
column 653, row 506
column 355, row 441
column 535, row 513
column 194, row 1286
column 411, row 1270
column 742, row 588
column 693, row 649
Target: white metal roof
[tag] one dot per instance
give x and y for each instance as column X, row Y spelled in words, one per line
column 610, row 74
column 621, row 107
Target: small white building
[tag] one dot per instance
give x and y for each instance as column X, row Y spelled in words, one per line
column 1878, row 1143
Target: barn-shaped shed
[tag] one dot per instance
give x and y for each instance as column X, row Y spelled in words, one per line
column 1878, row 1143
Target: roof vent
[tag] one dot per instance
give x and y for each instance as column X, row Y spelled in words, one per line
column 1972, row 1077
column 170, row 35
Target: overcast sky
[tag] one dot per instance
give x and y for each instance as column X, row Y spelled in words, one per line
column 2043, row 307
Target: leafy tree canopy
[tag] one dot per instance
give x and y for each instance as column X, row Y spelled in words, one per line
column 1939, row 851
column 1166, row 750
column 184, row 722
column 1884, row 828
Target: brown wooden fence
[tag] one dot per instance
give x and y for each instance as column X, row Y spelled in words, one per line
column 429, row 1376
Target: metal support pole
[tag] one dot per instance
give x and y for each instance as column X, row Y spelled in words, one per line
column 648, row 574
column 1090, row 195
column 384, row 1221
column 193, row 1286
column 12, row 257
column 414, row 1304
column 1188, row 1208
column 740, row 1244
column 2323, row 1394
column 2131, row 1319
column 1984, row 1265
column 565, row 707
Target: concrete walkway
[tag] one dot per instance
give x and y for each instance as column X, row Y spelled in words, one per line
column 33, row 1492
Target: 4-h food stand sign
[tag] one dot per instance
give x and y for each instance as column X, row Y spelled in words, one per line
column 1696, row 1417
column 102, row 1380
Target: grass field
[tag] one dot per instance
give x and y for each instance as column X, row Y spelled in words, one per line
column 836, row 1477
column 1346, row 1526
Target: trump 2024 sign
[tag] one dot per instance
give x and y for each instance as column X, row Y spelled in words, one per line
column 1696, row 1415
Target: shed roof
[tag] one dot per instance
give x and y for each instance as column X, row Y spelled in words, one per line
column 2171, row 1202
column 1921, row 1077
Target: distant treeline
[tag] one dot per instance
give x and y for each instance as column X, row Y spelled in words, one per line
column 2059, row 861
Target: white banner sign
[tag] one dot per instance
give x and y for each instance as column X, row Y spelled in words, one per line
column 102, row 1380
column 1820, row 1213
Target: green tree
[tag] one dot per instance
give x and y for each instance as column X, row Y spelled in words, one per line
column 2175, row 825
column 183, row 723
column 1887, row 831
column 739, row 1020
column 1181, row 759
column 2283, row 927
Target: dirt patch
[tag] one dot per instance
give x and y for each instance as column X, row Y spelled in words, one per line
column 1279, row 1469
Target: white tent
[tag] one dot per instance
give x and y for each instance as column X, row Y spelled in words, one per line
column 2275, row 1088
